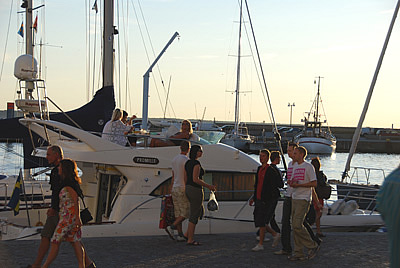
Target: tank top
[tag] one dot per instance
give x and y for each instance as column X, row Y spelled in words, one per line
column 189, row 166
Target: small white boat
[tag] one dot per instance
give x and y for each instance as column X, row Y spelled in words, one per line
column 240, row 140
column 314, row 138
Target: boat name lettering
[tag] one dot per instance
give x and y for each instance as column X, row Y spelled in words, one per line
column 146, row 160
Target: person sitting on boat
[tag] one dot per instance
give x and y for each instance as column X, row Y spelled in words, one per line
column 266, row 194
column 132, row 139
column 319, row 202
column 125, row 120
column 115, row 130
column 185, row 133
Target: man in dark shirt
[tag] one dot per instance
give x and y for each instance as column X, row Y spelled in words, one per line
column 266, row 194
column 54, row 156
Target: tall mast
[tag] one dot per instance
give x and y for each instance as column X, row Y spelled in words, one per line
column 108, row 43
column 317, row 101
column 357, row 132
column 237, row 91
column 28, row 44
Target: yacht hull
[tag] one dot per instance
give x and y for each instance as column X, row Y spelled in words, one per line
column 315, row 145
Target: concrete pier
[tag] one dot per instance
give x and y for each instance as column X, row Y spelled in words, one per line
column 361, row 250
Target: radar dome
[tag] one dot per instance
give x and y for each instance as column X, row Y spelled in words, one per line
column 26, row 67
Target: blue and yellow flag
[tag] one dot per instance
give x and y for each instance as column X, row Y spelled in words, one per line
column 21, row 30
column 14, row 200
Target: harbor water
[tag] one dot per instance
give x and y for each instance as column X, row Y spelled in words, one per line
column 11, row 160
column 377, row 165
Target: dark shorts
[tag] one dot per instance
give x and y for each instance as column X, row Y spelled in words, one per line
column 49, row 226
column 263, row 212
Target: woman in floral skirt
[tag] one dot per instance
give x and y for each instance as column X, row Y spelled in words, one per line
column 69, row 224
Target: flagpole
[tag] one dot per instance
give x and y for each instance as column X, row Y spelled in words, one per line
column 26, row 202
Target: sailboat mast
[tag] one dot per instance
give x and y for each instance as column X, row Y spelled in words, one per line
column 237, row 91
column 28, row 44
column 317, row 102
column 108, row 43
column 357, row 132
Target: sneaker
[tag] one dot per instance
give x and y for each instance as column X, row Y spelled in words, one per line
column 258, row 248
column 277, row 238
column 170, row 232
column 265, row 238
column 180, row 238
column 313, row 252
column 282, row 252
column 296, row 258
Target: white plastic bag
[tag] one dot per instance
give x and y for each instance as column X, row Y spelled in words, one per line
column 212, row 204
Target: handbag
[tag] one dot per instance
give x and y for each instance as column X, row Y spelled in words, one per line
column 212, row 204
column 85, row 214
column 167, row 215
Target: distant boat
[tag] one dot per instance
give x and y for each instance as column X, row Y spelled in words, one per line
column 238, row 137
column 314, row 138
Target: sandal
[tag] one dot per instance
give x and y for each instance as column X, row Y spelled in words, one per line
column 194, row 243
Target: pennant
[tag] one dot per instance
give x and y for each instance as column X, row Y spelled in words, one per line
column 21, row 30
column 95, row 6
column 14, row 200
column 35, row 25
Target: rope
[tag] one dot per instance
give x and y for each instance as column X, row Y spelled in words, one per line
column 5, row 46
column 277, row 136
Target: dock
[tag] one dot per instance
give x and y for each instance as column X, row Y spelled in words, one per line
column 263, row 136
column 338, row 249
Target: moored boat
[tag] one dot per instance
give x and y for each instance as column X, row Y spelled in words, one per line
column 315, row 138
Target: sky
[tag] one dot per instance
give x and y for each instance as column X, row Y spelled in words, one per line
column 297, row 40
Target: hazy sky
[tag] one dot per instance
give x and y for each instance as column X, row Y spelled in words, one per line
column 298, row 40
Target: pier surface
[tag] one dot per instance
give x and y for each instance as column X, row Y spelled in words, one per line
column 219, row 250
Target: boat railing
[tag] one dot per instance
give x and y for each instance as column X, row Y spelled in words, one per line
column 28, row 199
column 4, row 198
column 358, row 171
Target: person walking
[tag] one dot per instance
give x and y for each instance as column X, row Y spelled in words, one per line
column 266, row 195
column 287, row 206
column 194, row 190
column 69, row 223
column 318, row 201
column 181, row 203
column 388, row 204
column 302, row 181
column 54, row 156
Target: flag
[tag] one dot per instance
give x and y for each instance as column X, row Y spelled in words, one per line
column 21, row 30
column 35, row 25
column 14, row 200
column 95, row 6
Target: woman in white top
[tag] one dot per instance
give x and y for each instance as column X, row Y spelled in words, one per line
column 115, row 130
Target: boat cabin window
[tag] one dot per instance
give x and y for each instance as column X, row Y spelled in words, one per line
column 230, row 186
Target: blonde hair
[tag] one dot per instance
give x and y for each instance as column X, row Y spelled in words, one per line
column 190, row 125
column 117, row 115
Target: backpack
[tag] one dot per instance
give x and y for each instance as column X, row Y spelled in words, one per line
column 323, row 188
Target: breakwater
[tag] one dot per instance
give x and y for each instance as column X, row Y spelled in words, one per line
column 371, row 143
